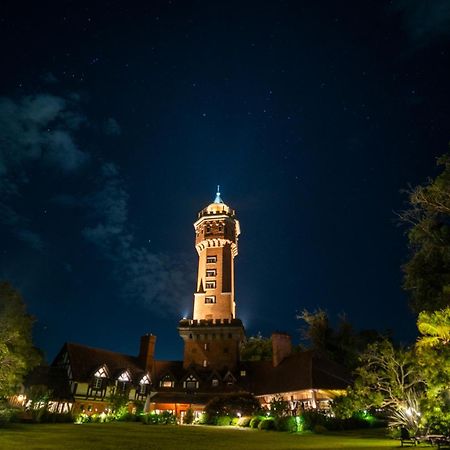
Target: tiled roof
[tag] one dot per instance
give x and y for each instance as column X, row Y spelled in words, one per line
column 300, row 371
column 84, row 361
column 297, row 372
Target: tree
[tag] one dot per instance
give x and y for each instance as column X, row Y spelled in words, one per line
column 342, row 344
column 387, row 378
column 257, row 348
column 433, row 351
column 17, row 354
column 427, row 273
column 232, row 405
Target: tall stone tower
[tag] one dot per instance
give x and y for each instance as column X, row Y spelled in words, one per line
column 213, row 336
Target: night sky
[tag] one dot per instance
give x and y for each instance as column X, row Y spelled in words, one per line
column 118, row 121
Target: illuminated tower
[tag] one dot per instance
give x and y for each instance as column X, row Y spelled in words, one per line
column 213, row 335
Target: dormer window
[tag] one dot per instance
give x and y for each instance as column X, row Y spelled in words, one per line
column 123, row 381
column 215, row 382
column 99, row 376
column 191, row 382
column 143, row 384
column 167, row 382
column 124, row 377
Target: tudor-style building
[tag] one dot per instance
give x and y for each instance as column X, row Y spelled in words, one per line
column 88, row 377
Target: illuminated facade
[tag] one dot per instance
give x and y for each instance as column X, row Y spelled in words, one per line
column 85, row 378
column 213, row 336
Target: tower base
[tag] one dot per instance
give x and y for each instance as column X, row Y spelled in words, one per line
column 211, row 343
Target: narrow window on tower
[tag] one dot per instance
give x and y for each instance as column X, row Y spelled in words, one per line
column 211, row 259
column 211, row 272
column 208, row 230
column 210, row 299
column 210, row 285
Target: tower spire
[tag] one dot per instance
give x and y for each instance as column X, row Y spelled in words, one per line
column 218, row 199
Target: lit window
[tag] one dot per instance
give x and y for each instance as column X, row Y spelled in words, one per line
column 205, row 363
column 125, row 376
column 210, row 299
column 101, row 373
column 211, row 273
column 211, row 259
column 210, row 285
column 206, row 347
column 215, row 382
column 167, row 382
column 243, row 373
column 143, row 388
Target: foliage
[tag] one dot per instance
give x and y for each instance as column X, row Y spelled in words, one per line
column 7, row 412
column 433, row 352
column 17, row 354
column 268, row 423
column 291, row 424
column 342, row 344
column 164, row 418
column 386, row 378
column 189, row 416
column 254, row 422
column 244, row 421
column 279, row 407
column 118, row 403
column 232, row 405
column 427, row 273
column 257, row 348
column 223, row 421
column 39, row 396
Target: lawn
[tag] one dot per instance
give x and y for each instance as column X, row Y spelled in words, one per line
column 134, row 436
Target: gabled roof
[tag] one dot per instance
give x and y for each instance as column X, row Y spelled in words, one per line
column 84, row 361
column 304, row 370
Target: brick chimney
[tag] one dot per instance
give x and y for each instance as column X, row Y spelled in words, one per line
column 147, row 351
column 281, row 347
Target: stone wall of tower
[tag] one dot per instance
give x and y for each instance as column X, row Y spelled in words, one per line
column 211, row 344
column 216, row 243
column 213, row 336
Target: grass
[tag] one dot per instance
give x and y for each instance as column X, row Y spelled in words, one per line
column 134, row 436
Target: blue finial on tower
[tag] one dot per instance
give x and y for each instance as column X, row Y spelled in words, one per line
column 218, row 199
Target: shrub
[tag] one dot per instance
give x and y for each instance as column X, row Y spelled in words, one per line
column 203, row 419
column 189, row 416
column 232, row 405
column 7, row 413
column 234, row 421
column 267, row 424
column 289, row 423
column 164, row 418
column 244, row 421
column 254, row 422
column 223, row 421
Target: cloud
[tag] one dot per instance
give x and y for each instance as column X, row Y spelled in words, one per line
column 160, row 282
column 35, row 130
column 424, row 21
column 31, row 238
column 111, row 127
column 38, row 128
